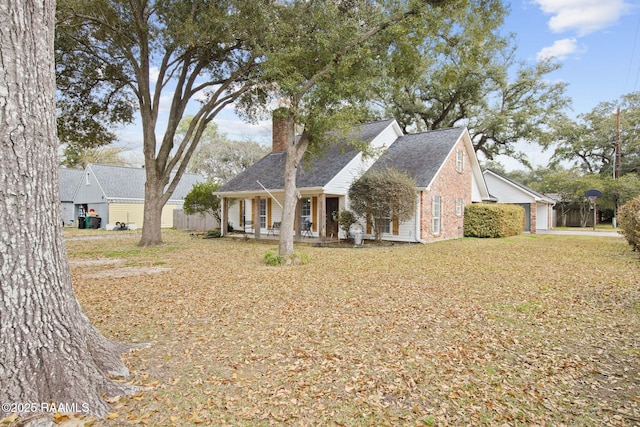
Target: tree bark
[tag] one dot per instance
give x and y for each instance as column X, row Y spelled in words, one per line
column 294, row 153
column 153, row 204
column 49, row 351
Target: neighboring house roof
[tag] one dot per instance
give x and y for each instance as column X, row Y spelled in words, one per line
column 119, row 182
column 538, row 197
column 314, row 172
column 69, row 180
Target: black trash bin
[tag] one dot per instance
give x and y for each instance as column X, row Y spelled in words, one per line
column 94, row 222
column 81, row 222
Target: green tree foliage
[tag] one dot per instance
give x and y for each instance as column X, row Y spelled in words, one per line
column 569, row 187
column 118, row 54
column 383, row 196
column 468, row 74
column 589, row 141
column 80, row 157
column 322, row 65
column 201, row 200
column 218, row 158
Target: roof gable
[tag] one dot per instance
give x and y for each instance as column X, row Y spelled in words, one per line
column 523, row 188
column 315, row 171
column 68, row 181
column 420, row 155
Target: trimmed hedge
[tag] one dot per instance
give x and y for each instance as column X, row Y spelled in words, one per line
column 493, row 220
column 629, row 222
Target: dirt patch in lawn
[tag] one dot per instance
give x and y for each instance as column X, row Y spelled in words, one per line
column 104, row 267
column 126, row 272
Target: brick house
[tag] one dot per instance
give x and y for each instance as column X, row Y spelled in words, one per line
column 442, row 162
column 448, row 177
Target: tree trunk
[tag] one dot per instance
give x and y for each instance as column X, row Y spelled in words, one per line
column 294, row 154
column 49, row 351
column 153, row 204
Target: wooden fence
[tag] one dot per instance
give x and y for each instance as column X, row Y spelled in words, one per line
column 197, row 222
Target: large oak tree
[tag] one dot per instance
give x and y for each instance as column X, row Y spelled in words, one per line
column 468, row 74
column 49, row 351
column 189, row 51
column 589, row 141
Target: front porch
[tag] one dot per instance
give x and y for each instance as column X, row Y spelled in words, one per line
column 260, row 215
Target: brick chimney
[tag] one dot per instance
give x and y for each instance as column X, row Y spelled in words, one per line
column 283, row 128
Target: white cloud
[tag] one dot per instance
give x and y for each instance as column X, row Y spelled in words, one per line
column 559, row 50
column 153, row 75
column 583, row 16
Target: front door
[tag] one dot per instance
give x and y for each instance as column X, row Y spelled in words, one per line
column 332, row 217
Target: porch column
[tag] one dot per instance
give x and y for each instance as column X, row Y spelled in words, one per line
column 298, row 221
column 322, row 216
column 256, row 217
column 224, row 214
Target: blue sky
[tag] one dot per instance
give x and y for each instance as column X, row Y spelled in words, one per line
column 596, row 41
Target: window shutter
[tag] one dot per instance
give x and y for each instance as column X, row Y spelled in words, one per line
column 396, row 226
column 269, row 213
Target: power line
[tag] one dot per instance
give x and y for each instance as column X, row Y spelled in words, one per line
column 633, row 54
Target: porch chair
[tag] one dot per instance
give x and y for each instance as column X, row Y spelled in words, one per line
column 306, row 229
column 275, row 227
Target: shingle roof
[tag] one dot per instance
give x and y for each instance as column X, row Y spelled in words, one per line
column 419, row 155
column 315, row 172
column 121, row 182
column 69, row 180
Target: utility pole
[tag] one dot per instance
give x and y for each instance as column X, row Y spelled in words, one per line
column 616, row 161
column 616, row 168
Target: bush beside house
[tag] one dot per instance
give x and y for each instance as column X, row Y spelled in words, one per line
column 493, row 220
column 629, row 222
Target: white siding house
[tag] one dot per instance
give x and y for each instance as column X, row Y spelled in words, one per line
column 116, row 194
column 538, row 207
column 323, row 182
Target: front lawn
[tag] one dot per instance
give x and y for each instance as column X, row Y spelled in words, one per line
column 529, row 330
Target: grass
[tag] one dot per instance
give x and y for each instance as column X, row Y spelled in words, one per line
column 518, row 331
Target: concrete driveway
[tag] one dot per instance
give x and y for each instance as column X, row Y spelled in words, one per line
column 581, row 233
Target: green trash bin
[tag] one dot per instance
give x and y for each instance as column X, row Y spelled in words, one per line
column 87, row 222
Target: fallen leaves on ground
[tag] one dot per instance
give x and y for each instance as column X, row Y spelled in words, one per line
column 530, row 330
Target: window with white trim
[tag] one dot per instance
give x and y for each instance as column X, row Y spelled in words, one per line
column 460, row 161
column 263, row 213
column 435, row 209
column 305, row 208
column 386, row 224
column 459, row 206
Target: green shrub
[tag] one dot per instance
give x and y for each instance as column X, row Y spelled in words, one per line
column 629, row 222
column 273, row 259
column 346, row 219
column 493, row 220
column 212, row 234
